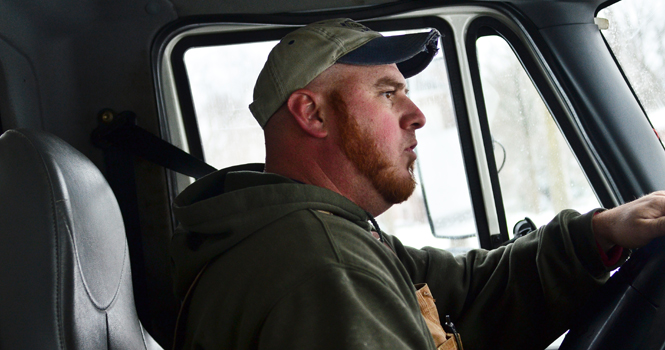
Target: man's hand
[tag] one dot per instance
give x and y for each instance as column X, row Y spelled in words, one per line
column 631, row 225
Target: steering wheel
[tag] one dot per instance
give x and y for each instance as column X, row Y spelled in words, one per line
column 628, row 312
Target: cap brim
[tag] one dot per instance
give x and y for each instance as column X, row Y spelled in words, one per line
column 411, row 52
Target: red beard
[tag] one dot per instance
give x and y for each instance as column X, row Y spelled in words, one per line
column 365, row 154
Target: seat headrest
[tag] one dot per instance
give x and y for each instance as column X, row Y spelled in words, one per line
column 64, row 262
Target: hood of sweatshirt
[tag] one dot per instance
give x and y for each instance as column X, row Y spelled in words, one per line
column 221, row 209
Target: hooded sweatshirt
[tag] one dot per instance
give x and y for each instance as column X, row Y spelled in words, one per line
column 270, row 263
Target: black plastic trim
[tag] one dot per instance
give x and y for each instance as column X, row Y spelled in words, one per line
column 630, row 153
column 482, row 27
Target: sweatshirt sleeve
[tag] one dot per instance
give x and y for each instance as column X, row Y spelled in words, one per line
column 521, row 296
column 344, row 308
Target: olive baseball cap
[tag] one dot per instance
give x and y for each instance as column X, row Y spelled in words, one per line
column 306, row 52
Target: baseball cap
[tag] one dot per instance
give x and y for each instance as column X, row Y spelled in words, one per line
column 306, row 52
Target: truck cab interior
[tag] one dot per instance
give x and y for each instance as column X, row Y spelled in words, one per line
column 109, row 109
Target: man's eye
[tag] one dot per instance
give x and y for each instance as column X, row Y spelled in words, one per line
column 389, row 94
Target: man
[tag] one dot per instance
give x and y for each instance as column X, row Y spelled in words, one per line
column 285, row 257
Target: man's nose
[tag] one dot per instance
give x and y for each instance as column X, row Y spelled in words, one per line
column 413, row 117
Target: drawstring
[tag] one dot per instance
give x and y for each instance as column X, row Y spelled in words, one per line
column 376, row 227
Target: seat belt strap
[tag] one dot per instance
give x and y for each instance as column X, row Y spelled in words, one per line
column 121, row 131
column 121, row 140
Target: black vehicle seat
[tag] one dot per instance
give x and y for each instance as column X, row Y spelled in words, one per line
column 65, row 279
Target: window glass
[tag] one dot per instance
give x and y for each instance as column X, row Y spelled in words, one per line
column 635, row 35
column 222, row 80
column 538, row 174
column 442, row 175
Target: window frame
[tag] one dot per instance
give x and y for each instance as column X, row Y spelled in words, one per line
column 533, row 66
column 449, row 48
column 527, row 40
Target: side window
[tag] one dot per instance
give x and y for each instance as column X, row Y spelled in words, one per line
column 221, row 79
column 537, row 171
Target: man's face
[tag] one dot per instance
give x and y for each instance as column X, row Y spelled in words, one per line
column 377, row 123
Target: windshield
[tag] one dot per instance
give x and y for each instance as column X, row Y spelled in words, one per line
column 635, row 35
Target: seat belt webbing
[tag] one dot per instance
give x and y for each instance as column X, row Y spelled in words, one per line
column 121, row 140
column 121, row 131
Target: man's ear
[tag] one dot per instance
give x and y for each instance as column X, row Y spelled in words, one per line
column 305, row 106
